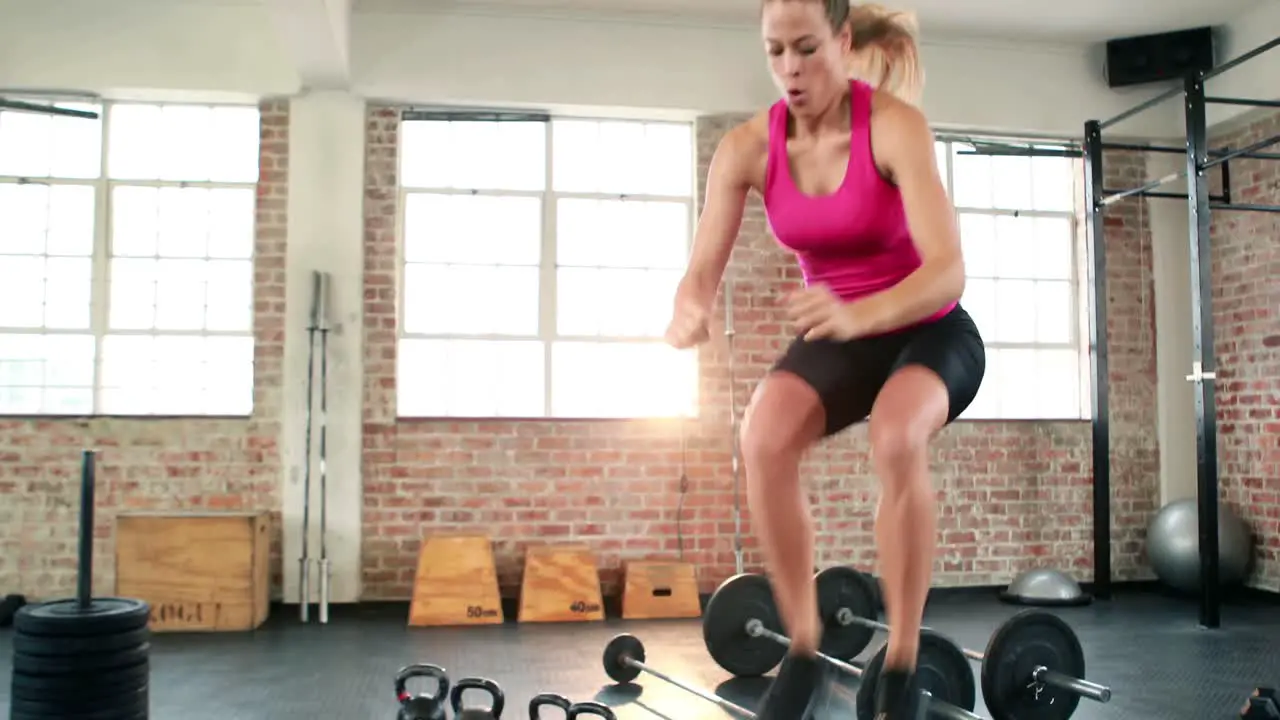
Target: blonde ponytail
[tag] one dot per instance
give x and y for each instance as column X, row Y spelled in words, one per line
column 885, row 52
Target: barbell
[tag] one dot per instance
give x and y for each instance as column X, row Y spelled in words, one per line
column 743, row 634
column 624, row 661
column 1033, row 665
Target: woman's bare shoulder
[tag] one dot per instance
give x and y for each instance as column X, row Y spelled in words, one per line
column 745, row 148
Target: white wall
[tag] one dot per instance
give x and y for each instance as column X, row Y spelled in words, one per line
column 326, row 225
column 147, row 49
column 1254, row 79
column 565, row 62
column 160, row 48
column 1171, row 271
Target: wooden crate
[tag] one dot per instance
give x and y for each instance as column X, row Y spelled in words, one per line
column 456, row 583
column 204, row 571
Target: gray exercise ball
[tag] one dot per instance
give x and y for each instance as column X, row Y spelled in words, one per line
column 1173, row 544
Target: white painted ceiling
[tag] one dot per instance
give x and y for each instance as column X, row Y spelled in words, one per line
column 1052, row 20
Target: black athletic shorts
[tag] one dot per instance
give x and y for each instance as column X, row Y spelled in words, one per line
column 848, row 375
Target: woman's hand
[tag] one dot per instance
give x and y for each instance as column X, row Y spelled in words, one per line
column 690, row 324
column 821, row 314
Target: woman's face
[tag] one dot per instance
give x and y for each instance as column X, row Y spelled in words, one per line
column 807, row 59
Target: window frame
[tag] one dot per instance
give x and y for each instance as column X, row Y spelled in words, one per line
column 1079, row 342
column 100, row 263
column 548, row 288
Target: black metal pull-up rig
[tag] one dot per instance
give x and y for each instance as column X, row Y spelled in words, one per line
column 1200, row 205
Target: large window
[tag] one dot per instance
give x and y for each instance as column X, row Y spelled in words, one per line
column 126, row 260
column 540, row 257
column 1017, row 219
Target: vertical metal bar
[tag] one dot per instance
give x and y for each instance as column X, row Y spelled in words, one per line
column 1202, row 360
column 84, row 574
column 1098, row 364
column 1226, row 183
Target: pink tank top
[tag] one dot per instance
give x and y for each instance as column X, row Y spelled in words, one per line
column 854, row 240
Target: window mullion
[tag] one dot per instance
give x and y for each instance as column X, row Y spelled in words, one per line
column 547, row 274
column 100, row 299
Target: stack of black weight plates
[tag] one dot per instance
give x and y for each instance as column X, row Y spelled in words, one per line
column 81, row 663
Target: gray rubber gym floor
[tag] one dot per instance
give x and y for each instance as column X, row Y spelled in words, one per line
column 1144, row 645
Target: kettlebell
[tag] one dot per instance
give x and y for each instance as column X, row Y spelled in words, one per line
column 592, row 708
column 497, row 699
column 547, row 699
column 426, row 706
column 544, row 700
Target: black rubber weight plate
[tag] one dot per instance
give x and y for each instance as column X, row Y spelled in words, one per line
column 845, row 588
column 945, row 672
column 50, row 688
column 128, row 704
column 866, row 702
column 724, row 626
column 1030, row 639
column 64, row 618
column 79, row 664
column 941, row 668
column 619, row 648
column 74, row 646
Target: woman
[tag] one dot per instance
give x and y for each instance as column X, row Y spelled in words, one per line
column 846, row 167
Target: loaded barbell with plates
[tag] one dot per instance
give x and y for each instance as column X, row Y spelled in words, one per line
column 624, row 661
column 84, row 655
column 1033, row 666
column 742, row 633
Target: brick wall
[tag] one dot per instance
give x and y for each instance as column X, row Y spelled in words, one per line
column 1246, row 307
column 1014, row 494
column 146, row 463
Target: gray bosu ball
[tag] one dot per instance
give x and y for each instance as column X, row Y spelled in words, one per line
column 1045, row 587
column 1173, row 545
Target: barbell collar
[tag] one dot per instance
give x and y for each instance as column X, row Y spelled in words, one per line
column 1083, row 688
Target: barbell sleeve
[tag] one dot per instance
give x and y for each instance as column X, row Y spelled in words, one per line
column 731, row 707
column 1083, row 688
column 755, row 628
column 945, row 710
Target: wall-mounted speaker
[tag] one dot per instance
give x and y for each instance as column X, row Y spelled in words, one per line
column 1163, row 56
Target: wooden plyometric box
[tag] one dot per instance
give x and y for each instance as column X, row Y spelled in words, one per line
column 660, row 590
column 456, row 583
column 561, row 584
column 199, row 571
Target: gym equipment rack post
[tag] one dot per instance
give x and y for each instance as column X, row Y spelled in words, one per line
column 1199, row 206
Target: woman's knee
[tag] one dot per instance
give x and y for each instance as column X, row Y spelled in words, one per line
column 785, row 416
column 910, row 409
column 897, row 442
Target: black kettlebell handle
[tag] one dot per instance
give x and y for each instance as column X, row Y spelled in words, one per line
column 422, row 670
column 590, row 707
column 499, row 698
column 543, row 700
